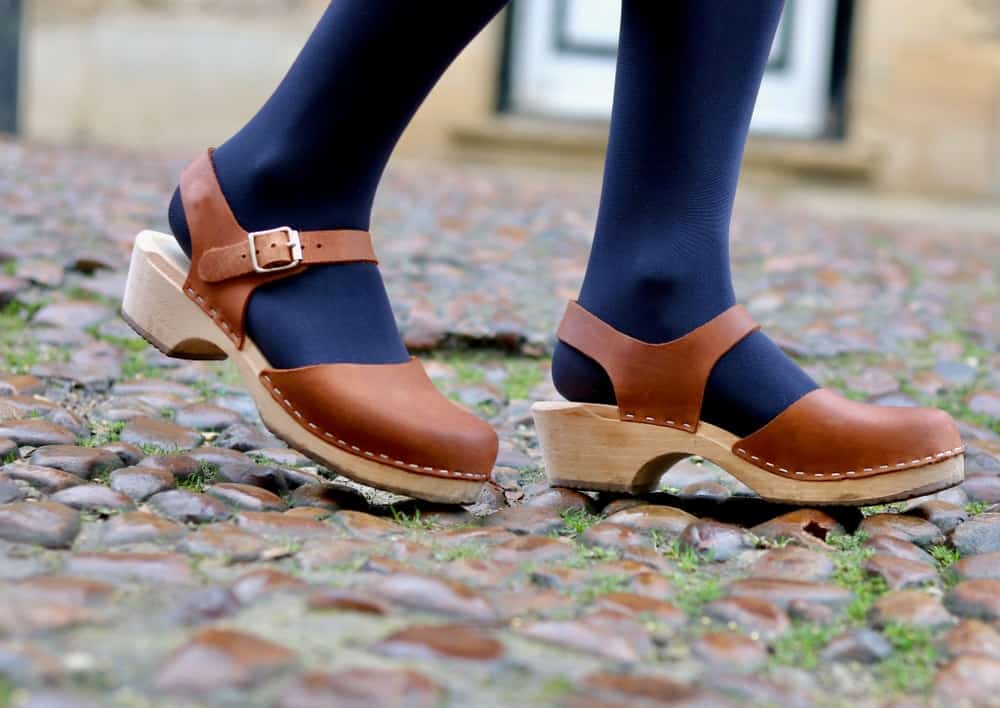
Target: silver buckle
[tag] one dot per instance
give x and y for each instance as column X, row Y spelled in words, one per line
column 294, row 245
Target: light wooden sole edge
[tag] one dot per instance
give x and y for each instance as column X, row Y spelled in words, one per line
column 586, row 446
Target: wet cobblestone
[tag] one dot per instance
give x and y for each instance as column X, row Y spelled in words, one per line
column 159, row 547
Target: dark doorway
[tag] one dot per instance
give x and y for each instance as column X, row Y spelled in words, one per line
column 10, row 51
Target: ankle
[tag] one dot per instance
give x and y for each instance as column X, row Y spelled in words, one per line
column 660, row 311
column 655, row 298
column 178, row 222
column 579, row 378
column 272, row 187
column 267, row 191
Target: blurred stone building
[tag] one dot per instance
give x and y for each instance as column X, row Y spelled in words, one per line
column 899, row 94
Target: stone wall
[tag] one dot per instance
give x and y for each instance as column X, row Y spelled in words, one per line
column 173, row 75
column 924, row 85
column 925, row 90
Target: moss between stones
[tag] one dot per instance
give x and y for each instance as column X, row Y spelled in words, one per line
column 600, row 584
column 976, row 507
column 946, row 557
column 6, row 693
column 19, row 355
column 802, row 645
column 849, row 572
column 206, row 475
column 523, row 375
column 911, row 666
column 414, row 521
column 576, row 521
column 466, row 550
column 103, row 433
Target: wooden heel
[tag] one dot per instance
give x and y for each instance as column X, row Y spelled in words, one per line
column 584, row 450
column 156, row 308
column 586, row 446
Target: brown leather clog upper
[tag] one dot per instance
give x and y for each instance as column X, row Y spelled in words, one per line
column 389, row 413
column 228, row 263
column 660, row 384
column 821, row 437
column 826, row 436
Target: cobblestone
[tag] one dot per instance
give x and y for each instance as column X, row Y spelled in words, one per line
column 205, row 563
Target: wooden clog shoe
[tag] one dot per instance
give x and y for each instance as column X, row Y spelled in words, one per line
column 384, row 425
column 822, row 450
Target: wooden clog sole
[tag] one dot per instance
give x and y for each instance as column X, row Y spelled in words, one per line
column 587, row 446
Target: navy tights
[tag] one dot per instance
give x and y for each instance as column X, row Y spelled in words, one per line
column 312, row 159
column 688, row 74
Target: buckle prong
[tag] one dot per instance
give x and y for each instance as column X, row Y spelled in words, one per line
column 294, row 245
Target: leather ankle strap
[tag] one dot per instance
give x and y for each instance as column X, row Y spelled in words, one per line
column 284, row 248
column 659, row 384
column 228, row 263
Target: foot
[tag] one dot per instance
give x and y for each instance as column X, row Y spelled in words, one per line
column 750, row 385
column 336, row 313
column 382, row 424
column 821, row 449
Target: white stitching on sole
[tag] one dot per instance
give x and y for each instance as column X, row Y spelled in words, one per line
column 853, row 473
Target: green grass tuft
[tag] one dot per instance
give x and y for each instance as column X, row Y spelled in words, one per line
column 976, row 507
column 465, row 550
column 803, row 645
column 946, row 557
column 695, row 590
column 467, row 368
column 6, row 693
column 523, row 375
column 586, row 556
column 911, row 667
column 849, row 558
column 103, row 433
column 695, row 587
column 207, row 474
column 576, row 521
column 135, row 366
column 893, row 508
column 414, row 521
column 601, row 584
column 687, row 559
column 531, row 476
column 555, row 688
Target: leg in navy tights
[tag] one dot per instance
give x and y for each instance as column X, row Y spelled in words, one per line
column 312, row 159
column 687, row 78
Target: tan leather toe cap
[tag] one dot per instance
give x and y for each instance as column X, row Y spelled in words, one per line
column 391, row 413
column 824, row 436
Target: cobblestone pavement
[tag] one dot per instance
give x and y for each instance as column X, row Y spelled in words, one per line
column 158, row 547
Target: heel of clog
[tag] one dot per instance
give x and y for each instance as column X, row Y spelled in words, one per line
column 155, row 305
column 584, row 448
